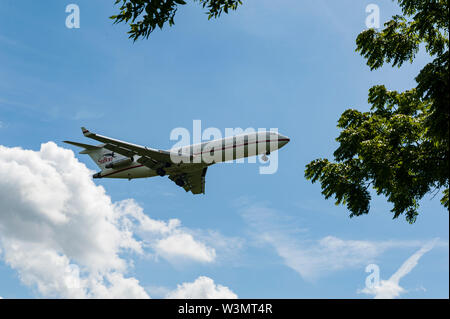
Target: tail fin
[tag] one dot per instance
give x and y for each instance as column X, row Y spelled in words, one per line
column 100, row 155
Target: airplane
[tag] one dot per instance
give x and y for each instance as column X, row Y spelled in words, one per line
column 186, row 165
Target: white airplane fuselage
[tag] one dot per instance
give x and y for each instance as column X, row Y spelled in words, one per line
column 203, row 154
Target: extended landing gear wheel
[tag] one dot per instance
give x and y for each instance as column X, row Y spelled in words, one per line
column 264, row 157
column 179, row 182
column 160, row 172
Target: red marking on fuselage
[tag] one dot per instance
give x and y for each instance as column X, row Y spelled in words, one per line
column 105, row 160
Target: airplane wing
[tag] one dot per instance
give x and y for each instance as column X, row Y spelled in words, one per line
column 193, row 181
column 193, row 178
column 150, row 157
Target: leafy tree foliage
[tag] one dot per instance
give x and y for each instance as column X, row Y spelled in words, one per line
column 144, row 16
column 401, row 147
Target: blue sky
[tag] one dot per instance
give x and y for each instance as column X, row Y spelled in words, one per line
column 290, row 65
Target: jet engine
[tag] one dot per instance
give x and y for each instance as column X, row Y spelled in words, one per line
column 120, row 163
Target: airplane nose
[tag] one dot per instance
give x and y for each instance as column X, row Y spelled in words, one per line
column 282, row 140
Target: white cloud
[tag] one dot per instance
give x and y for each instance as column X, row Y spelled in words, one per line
column 389, row 289
column 202, row 288
column 181, row 246
column 167, row 239
column 312, row 259
column 66, row 238
column 158, row 292
column 229, row 247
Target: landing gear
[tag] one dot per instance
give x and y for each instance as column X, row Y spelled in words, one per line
column 160, row 172
column 264, row 157
column 179, row 182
